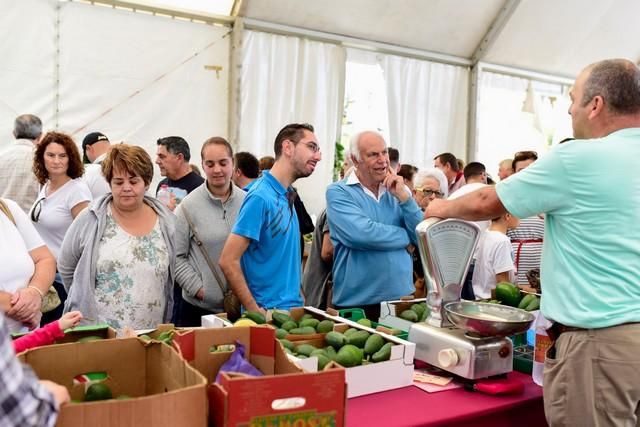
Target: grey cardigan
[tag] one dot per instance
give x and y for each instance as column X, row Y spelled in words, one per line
column 213, row 221
column 77, row 260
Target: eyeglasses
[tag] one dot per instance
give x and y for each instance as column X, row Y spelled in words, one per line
column 36, row 210
column 312, row 146
column 428, row 192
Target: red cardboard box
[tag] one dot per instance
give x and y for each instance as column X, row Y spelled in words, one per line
column 285, row 396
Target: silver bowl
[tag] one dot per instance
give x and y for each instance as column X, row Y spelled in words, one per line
column 488, row 320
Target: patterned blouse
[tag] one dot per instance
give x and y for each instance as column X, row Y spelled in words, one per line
column 130, row 276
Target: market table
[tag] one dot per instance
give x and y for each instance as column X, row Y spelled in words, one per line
column 411, row 406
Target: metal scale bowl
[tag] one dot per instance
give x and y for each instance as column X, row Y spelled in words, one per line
column 465, row 338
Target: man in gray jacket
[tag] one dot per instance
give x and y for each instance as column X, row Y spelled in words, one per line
column 207, row 214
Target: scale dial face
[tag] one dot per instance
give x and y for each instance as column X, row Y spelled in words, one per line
column 451, row 245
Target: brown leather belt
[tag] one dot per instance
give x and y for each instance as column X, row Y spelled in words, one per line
column 558, row 329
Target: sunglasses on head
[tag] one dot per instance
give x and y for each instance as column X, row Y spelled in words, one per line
column 37, row 209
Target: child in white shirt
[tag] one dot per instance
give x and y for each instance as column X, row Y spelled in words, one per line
column 494, row 261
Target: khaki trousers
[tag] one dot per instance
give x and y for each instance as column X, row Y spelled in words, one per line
column 594, row 379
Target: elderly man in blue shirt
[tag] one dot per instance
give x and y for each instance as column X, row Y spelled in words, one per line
column 372, row 221
column 590, row 192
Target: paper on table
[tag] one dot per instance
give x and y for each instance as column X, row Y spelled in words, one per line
column 431, row 383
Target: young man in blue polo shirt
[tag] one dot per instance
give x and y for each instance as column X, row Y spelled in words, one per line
column 261, row 259
column 590, row 193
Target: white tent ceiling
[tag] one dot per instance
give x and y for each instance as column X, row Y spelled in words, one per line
column 556, row 37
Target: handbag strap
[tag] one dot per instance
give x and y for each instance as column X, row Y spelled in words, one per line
column 5, row 209
column 212, row 266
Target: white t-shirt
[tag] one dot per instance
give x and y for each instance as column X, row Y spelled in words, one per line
column 95, row 180
column 55, row 211
column 16, row 242
column 495, row 255
column 466, row 189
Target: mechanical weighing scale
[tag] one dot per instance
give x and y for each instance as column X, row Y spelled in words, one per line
column 465, row 338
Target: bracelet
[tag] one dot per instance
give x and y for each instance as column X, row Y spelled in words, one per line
column 37, row 290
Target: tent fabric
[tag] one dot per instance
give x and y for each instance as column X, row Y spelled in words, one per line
column 135, row 77
column 286, row 80
column 27, row 80
column 427, row 104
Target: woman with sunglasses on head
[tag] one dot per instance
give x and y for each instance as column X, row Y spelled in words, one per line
column 118, row 257
column 57, row 166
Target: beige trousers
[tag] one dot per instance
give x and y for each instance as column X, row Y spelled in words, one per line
column 594, row 378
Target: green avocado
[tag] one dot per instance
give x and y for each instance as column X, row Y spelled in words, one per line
column 365, row 322
column 305, row 349
column 410, row 315
column 289, row 325
column 255, row 316
column 325, row 326
column 279, row 318
column 358, row 338
column 373, row 344
column 383, row 354
column 306, row 330
column 349, row 355
column 309, row 322
column 508, row 293
column 335, row 339
column 98, row 391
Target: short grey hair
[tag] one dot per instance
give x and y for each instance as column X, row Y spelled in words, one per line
column 354, row 148
column 422, row 175
column 618, row 82
column 27, row 126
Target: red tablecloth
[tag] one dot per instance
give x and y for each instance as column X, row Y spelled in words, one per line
column 411, row 406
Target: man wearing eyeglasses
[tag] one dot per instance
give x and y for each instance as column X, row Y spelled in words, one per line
column 261, row 258
column 589, row 192
column 372, row 221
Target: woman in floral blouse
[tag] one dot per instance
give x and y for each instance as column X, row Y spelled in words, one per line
column 117, row 259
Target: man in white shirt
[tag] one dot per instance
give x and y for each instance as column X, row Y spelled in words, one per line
column 494, row 262
column 95, row 147
column 475, row 176
column 17, row 181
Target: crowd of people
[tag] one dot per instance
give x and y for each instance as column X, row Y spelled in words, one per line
column 91, row 242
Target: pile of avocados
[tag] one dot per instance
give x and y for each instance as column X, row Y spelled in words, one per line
column 509, row 294
column 354, row 347
column 418, row 312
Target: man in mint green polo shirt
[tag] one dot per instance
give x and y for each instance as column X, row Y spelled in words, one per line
column 589, row 190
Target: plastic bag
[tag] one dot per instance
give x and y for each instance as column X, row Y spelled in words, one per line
column 238, row 364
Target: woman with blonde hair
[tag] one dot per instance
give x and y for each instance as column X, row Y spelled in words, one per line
column 117, row 260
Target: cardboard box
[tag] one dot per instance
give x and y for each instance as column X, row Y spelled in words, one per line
column 165, row 391
column 390, row 313
column 375, row 377
column 260, row 401
column 74, row 334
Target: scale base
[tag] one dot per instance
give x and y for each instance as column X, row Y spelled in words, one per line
column 451, row 350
